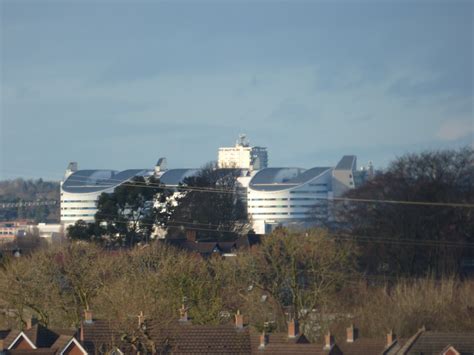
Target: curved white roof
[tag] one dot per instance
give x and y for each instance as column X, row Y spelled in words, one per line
column 276, row 179
column 174, row 177
column 88, row 181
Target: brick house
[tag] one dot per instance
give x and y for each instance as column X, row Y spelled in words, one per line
column 37, row 339
column 180, row 336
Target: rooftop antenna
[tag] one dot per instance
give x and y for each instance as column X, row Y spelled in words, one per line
column 242, row 141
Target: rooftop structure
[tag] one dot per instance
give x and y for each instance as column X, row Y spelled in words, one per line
column 243, row 156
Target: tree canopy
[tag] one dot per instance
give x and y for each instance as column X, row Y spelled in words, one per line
column 127, row 216
column 409, row 238
column 211, row 203
column 18, row 190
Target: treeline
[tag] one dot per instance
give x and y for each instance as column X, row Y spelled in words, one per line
column 137, row 210
column 308, row 275
column 18, row 190
column 416, row 218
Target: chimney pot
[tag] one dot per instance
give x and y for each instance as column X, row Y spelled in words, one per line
column 352, row 334
column 81, row 333
column 239, row 320
column 183, row 314
column 293, row 328
column 141, row 319
column 328, row 341
column 391, row 337
column 88, row 316
column 30, row 322
column 191, row 235
column 263, row 340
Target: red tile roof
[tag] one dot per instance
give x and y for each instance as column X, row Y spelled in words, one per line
column 362, row 346
column 47, row 341
column 180, row 338
column 279, row 343
column 431, row 342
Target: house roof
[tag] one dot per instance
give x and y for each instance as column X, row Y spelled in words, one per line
column 43, row 338
column 181, row 338
column 208, row 339
column 279, row 343
column 362, row 346
column 208, row 247
column 61, row 342
column 431, row 342
column 98, row 334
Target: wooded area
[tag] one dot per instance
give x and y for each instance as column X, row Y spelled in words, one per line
column 415, row 218
column 309, row 276
column 18, row 190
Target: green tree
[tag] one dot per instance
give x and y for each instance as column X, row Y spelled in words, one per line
column 81, row 230
column 127, row 216
column 211, row 203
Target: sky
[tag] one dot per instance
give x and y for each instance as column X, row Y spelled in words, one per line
column 118, row 84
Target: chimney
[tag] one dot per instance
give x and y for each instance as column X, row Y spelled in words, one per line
column 263, row 340
column 88, row 316
column 81, row 333
column 183, row 314
column 239, row 320
column 391, row 337
column 191, row 235
column 328, row 341
column 352, row 334
column 30, row 322
column 141, row 319
column 293, row 328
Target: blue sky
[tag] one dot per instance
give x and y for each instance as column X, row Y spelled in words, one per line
column 117, row 84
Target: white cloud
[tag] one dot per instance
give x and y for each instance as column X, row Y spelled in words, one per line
column 455, row 129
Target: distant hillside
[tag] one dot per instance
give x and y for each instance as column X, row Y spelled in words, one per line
column 29, row 190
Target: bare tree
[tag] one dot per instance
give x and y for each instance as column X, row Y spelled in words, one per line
column 300, row 271
column 409, row 238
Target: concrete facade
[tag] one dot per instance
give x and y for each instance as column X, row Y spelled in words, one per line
column 242, row 156
column 295, row 196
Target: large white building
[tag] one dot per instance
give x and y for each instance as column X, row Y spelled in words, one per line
column 81, row 189
column 295, row 196
column 273, row 196
column 242, row 156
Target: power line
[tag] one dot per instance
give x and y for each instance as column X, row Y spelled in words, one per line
column 235, row 192
column 338, row 199
column 347, row 237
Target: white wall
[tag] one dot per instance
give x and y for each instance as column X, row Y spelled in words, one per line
column 287, row 206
